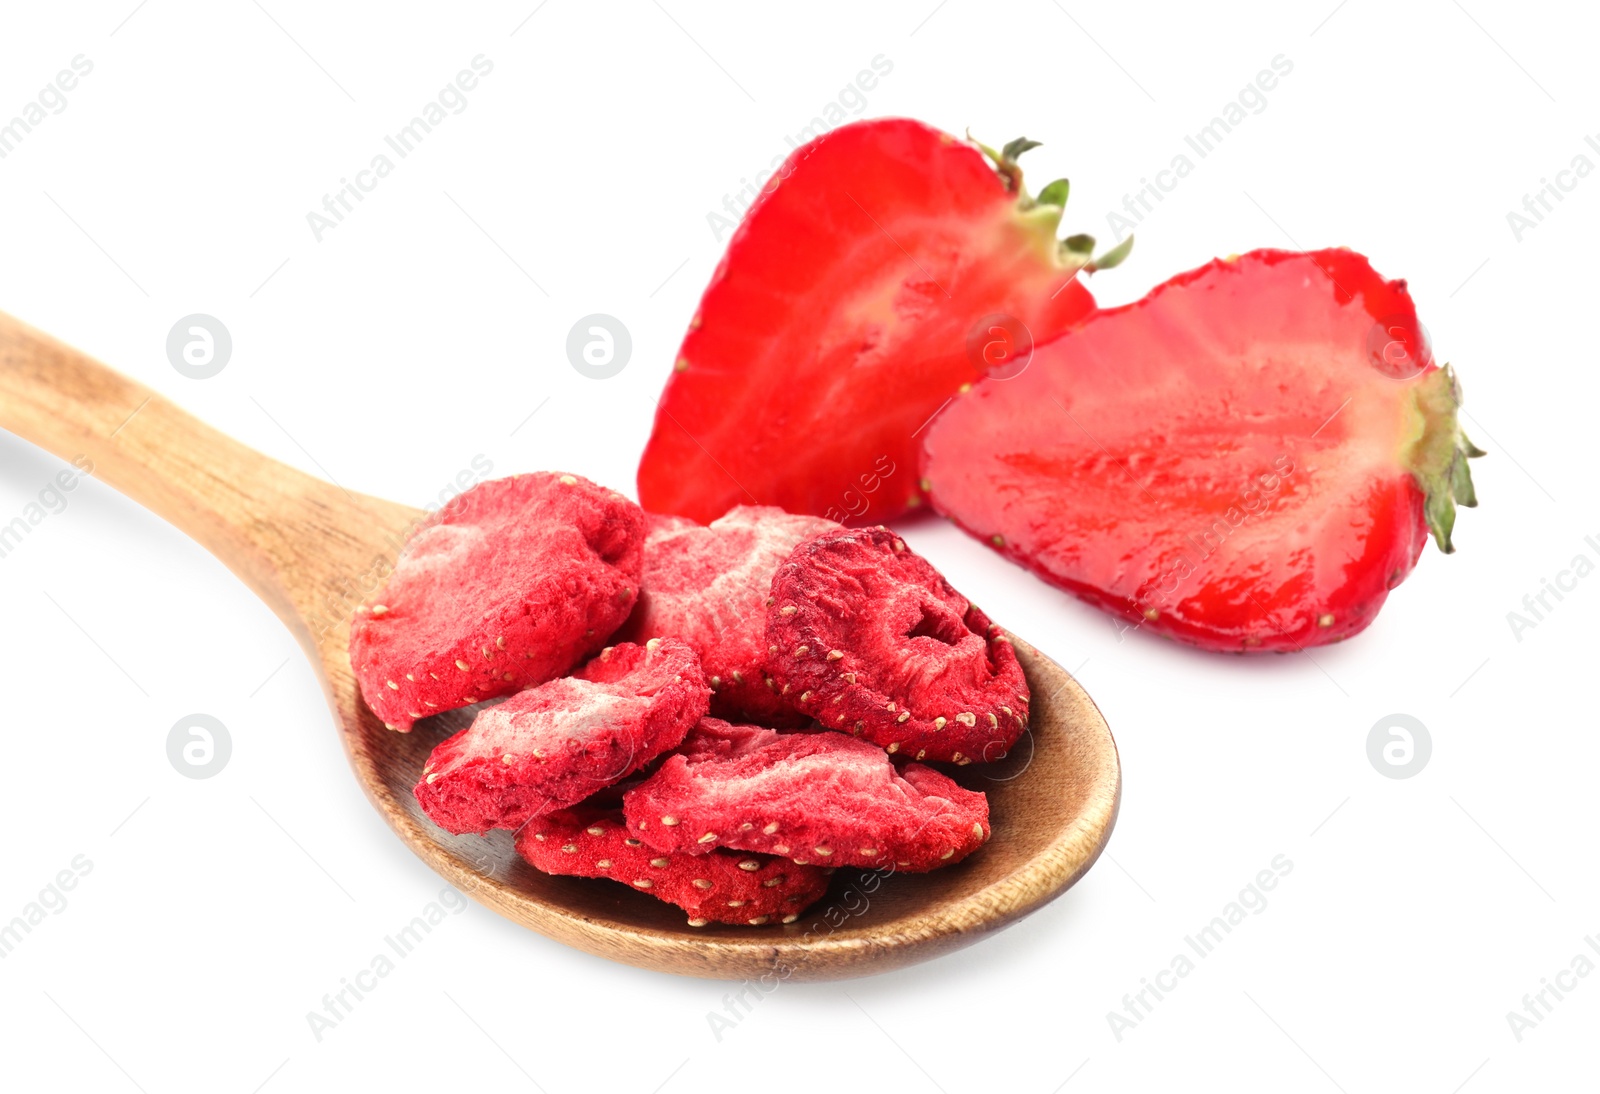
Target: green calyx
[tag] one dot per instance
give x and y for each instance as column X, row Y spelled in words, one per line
column 1438, row 457
column 1042, row 213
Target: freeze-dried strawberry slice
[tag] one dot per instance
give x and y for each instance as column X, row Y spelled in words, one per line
column 868, row 638
column 723, row 887
column 554, row 745
column 813, row 797
column 508, row 586
column 709, row 586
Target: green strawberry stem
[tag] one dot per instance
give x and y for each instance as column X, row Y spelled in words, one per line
column 1438, row 457
column 1042, row 214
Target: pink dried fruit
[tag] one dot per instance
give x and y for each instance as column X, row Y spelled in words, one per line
column 709, row 587
column 554, row 745
column 816, row 798
column 871, row 640
column 508, row 586
column 723, row 887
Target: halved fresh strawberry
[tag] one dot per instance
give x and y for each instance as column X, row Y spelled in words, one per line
column 886, row 265
column 1249, row 458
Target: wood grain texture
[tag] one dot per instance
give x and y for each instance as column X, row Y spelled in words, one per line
column 313, row 551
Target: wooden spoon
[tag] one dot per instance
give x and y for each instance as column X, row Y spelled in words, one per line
column 313, row 552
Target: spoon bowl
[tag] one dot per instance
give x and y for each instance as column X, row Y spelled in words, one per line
column 314, row 551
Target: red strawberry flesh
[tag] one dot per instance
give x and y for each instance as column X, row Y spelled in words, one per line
column 837, row 324
column 1248, row 459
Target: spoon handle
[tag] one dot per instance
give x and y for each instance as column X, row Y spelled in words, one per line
column 279, row 529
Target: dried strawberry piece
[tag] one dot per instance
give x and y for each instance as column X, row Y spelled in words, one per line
column 709, row 586
column 868, row 638
column 722, row 887
column 508, row 586
column 554, row 745
column 812, row 797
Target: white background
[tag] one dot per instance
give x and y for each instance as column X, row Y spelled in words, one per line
column 426, row 328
